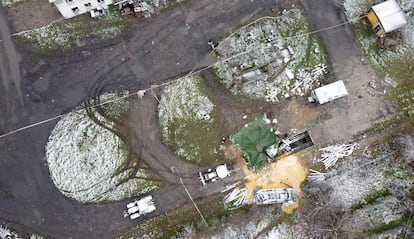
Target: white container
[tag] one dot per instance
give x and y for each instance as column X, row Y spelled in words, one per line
column 329, row 92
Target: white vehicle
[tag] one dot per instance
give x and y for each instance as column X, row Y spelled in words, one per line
column 328, row 92
column 284, row 196
column 212, row 175
column 140, row 207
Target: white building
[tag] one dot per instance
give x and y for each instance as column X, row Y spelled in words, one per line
column 72, row 8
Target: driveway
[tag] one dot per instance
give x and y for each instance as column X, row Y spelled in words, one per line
column 155, row 50
column 364, row 106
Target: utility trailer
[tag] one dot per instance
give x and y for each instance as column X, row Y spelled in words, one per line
column 284, row 196
column 140, row 207
column 328, row 93
column 295, row 143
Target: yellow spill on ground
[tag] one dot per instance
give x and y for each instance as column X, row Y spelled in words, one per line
column 284, row 173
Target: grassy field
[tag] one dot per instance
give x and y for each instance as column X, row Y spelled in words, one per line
column 61, row 36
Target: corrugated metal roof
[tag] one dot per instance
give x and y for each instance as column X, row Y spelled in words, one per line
column 390, row 15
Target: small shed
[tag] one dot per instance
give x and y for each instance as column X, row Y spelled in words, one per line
column 386, row 17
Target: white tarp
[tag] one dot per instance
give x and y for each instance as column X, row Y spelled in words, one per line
column 329, row 92
column 390, row 15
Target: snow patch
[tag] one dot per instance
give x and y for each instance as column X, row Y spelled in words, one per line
column 6, row 233
column 86, row 160
column 183, row 100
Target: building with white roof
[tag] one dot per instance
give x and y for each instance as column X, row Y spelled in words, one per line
column 72, row 8
column 386, row 17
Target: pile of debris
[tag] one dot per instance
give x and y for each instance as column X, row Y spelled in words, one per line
column 236, row 198
column 308, row 79
column 263, row 59
column 332, row 153
column 138, row 8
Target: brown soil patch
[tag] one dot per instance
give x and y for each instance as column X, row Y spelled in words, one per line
column 32, row 14
column 231, row 153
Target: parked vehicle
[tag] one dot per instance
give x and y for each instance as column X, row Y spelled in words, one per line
column 140, row 207
column 283, row 196
column 213, row 174
column 328, row 92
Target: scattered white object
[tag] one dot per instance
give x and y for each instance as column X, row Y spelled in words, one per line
column 285, row 53
column 316, row 176
column 332, row 153
column 5, row 233
column 316, row 50
column 290, row 50
column 390, row 81
column 307, row 78
column 289, row 74
column 271, row 94
column 236, row 197
column 141, row 93
column 244, row 117
column 274, row 121
column 272, row 151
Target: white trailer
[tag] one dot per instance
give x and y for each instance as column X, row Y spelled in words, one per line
column 284, row 196
column 328, row 92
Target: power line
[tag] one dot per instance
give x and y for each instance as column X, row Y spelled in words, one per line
column 189, row 195
column 138, row 92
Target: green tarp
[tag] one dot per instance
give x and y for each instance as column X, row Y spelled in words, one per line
column 253, row 139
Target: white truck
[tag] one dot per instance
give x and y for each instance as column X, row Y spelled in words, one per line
column 140, row 207
column 329, row 92
column 213, row 174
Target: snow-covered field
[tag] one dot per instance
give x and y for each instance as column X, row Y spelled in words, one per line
column 383, row 212
column 184, row 103
column 261, row 228
column 87, row 161
column 264, row 59
column 353, row 181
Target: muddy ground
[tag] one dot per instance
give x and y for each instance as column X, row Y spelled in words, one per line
column 32, row 14
column 154, row 51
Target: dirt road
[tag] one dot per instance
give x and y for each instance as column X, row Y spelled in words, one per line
column 364, row 105
column 155, row 50
column 9, row 68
